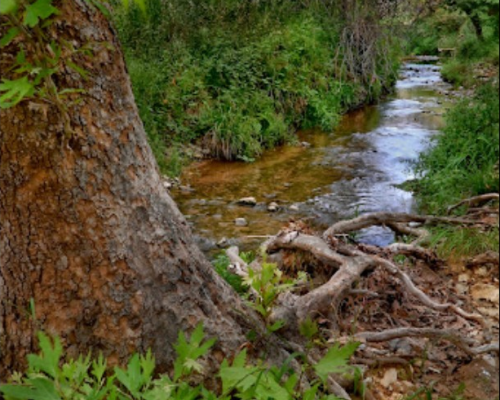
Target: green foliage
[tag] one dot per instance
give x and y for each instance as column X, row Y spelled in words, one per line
column 238, row 77
column 461, row 242
column 268, row 284
column 190, row 351
column 464, row 159
column 440, row 30
column 221, row 265
column 48, row 378
column 335, row 361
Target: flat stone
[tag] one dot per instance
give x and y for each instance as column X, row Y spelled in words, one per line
column 248, row 201
column 241, row 222
column 390, row 378
column 295, row 208
column 273, row 207
column 486, row 292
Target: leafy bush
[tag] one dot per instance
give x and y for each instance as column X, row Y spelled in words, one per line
column 48, row 377
column 464, row 159
column 239, row 77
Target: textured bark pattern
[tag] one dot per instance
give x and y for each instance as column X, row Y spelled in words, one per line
column 87, row 230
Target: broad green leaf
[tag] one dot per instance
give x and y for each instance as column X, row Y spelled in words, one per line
column 44, row 390
column 16, row 392
column 40, row 10
column 9, row 36
column 8, row 6
column 15, row 91
column 50, row 357
column 132, row 378
column 335, row 361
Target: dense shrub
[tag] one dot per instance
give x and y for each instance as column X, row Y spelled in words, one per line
column 240, row 77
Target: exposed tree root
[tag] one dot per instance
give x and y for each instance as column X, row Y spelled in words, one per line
column 348, row 263
column 389, row 219
column 464, row 343
column 475, row 201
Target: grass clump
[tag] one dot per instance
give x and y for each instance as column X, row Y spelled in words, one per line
column 464, row 159
column 452, row 242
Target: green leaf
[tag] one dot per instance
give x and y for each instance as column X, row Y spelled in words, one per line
column 8, row 6
column 15, row 91
column 336, row 360
column 40, row 10
column 82, row 72
column 9, row 36
column 132, row 378
column 277, row 326
column 45, row 390
column 16, row 392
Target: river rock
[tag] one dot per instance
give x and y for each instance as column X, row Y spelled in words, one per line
column 294, row 208
column 223, row 243
column 248, row 201
column 273, row 207
column 241, row 222
column 167, row 185
column 486, row 292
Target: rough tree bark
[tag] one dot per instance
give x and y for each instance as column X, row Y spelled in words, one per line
column 87, row 230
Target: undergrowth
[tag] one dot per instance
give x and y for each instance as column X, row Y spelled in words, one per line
column 463, row 242
column 465, row 54
column 463, row 161
column 51, row 376
column 239, row 77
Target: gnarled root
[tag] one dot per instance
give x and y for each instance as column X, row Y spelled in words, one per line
column 475, row 201
column 464, row 343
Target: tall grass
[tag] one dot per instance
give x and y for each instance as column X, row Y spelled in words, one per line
column 464, row 160
column 239, row 77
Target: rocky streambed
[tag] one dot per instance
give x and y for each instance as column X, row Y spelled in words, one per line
column 328, row 176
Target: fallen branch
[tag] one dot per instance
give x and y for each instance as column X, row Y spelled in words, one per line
column 389, row 219
column 474, row 201
column 464, row 343
column 414, row 251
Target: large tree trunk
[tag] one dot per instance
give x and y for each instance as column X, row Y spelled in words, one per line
column 89, row 233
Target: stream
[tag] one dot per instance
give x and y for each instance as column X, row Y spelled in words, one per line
column 357, row 169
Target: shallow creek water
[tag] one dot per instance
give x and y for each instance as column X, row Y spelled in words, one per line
column 356, row 169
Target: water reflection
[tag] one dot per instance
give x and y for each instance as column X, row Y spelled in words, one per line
column 354, row 170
